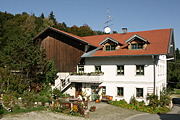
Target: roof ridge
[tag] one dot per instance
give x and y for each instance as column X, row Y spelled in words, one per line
column 128, row 32
column 65, row 32
column 151, row 30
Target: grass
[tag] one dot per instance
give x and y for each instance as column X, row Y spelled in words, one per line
column 177, row 91
column 23, row 110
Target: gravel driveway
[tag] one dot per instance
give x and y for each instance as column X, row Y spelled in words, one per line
column 103, row 112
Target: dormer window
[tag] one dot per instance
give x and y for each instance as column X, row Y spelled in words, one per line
column 136, row 46
column 136, row 42
column 110, row 44
column 110, row 47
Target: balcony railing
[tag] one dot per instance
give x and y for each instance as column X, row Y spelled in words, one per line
column 87, row 77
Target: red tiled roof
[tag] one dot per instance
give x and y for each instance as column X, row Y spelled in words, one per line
column 158, row 39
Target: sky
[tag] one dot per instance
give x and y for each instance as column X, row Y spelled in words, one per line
column 135, row 15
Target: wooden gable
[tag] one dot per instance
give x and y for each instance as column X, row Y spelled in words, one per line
column 64, row 50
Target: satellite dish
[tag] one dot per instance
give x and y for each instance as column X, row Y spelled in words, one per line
column 107, row 30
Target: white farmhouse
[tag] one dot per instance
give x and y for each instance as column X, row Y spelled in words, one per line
column 125, row 64
column 134, row 64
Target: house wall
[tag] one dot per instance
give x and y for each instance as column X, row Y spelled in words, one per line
column 161, row 73
column 129, row 81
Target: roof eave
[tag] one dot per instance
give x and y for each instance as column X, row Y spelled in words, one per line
column 128, row 55
column 50, row 28
column 128, row 41
column 108, row 38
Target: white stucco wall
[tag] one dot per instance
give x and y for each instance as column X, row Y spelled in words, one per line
column 129, row 81
column 109, row 67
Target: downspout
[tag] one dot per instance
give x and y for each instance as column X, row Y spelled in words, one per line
column 154, row 64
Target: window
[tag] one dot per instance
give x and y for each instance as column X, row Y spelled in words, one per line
column 97, row 69
column 110, row 47
column 104, row 90
column 120, row 91
column 81, row 69
column 136, row 46
column 120, row 69
column 139, row 92
column 139, row 69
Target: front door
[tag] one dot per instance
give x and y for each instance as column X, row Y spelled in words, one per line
column 94, row 91
column 78, row 88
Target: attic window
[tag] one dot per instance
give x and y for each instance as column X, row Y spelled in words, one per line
column 110, row 47
column 136, row 46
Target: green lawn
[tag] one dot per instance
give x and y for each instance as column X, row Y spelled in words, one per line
column 177, row 91
column 23, row 110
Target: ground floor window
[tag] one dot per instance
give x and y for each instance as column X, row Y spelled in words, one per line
column 120, row 91
column 139, row 92
column 104, row 90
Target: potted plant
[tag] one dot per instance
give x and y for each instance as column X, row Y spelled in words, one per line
column 87, row 114
column 97, row 98
column 102, row 93
column 92, row 108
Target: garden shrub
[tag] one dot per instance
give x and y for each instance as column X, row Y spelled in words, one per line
column 1, row 110
column 58, row 93
column 1, row 91
column 165, row 97
column 28, row 99
column 153, row 101
column 7, row 99
column 133, row 100
column 16, row 107
column 140, row 106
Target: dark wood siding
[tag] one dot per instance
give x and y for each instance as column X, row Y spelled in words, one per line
column 66, row 51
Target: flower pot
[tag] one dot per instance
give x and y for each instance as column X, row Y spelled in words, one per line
column 97, row 101
column 110, row 98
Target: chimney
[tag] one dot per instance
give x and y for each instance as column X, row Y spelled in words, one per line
column 124, row 30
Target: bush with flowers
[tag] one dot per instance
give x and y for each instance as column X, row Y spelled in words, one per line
column 74, row 110
column 8, row 100
column 140, row 106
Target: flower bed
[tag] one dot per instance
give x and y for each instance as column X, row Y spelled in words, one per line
column 140, row 106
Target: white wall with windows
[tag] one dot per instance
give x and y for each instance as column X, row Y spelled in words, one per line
column 123, row 68
column 132, row 75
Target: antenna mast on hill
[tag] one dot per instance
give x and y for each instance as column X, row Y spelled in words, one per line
column 106, row 28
